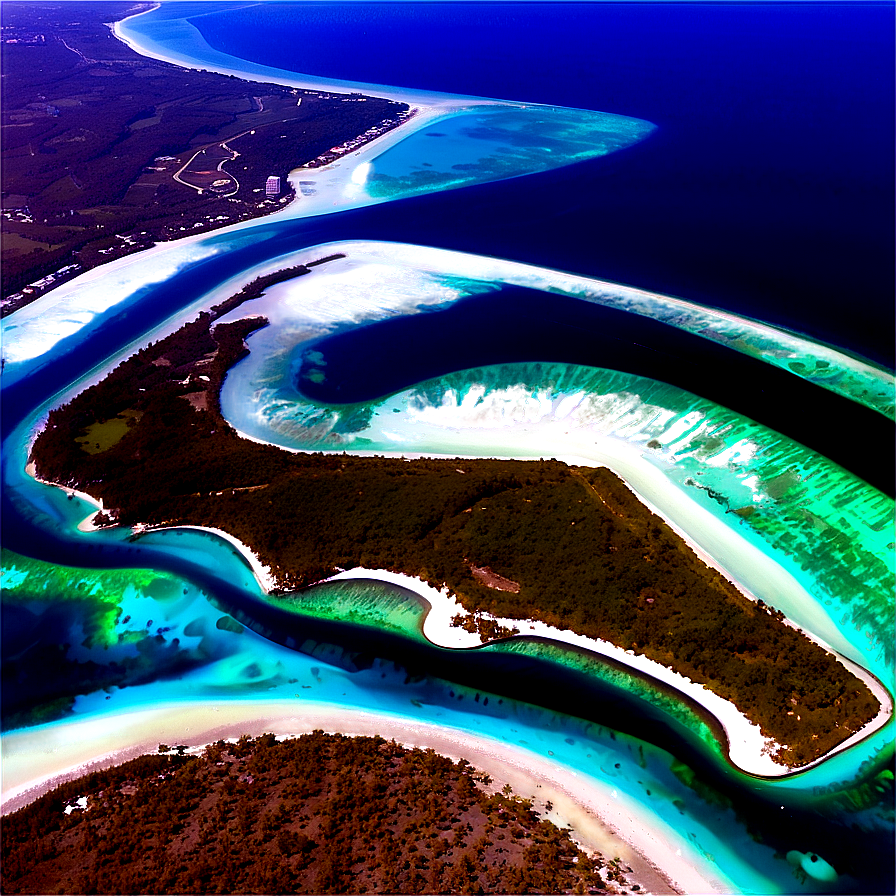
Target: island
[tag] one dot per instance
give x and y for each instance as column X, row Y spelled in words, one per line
column 523, row 540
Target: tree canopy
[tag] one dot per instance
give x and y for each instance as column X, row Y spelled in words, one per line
column 579, row 549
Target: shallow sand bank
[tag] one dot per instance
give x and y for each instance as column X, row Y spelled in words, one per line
column 35, row 760
column 231, row 65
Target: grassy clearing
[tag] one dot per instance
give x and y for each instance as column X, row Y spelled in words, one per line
column 99, row 437
column 15, row 242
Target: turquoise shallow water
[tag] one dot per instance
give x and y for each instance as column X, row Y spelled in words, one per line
column 214, row 660
column 497, row 143
column 239, row 664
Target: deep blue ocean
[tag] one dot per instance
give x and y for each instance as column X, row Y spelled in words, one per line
column 767, row 188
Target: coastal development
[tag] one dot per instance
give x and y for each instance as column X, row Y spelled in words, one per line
column 529, row 626
column 90, row 176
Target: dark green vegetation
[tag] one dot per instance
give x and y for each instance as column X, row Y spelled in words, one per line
column 584, row 552
column 317, row 814
column 165, row 380
column 93, row 134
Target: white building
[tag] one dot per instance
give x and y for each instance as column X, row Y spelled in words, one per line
column 272, row 186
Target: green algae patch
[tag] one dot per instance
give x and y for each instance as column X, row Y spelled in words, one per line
column 692, row 780
column 71, row 632
column 163, row 588
column 100, row 595
column 375, row 604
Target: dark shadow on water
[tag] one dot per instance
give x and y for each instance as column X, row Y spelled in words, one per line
column 518, row 325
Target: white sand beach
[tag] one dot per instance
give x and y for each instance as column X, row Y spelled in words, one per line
column 35, row 760
column 88, row 524
column 752, row 571
column 337, row 185
column 747, row 747
column 261, row 572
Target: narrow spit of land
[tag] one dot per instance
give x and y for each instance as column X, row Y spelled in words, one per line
column 575, row 547
column 106, row 152
column 322, row 813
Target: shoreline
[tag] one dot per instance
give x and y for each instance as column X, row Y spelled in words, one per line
column 245, row 216
column 332, row 182
column 747, row 746
column 745, row 740
column 747, row 749
column 600, row 818
column 303, row 81
column 425, row 108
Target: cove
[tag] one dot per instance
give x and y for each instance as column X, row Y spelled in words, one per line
column 515, row 324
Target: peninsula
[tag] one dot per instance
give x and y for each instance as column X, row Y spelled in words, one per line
column 569, row 546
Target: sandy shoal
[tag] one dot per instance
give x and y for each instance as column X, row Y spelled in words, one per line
column 36, row 760
column 283, row 77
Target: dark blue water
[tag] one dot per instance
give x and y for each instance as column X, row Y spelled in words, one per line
column 768, row 188
column 517, row 324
